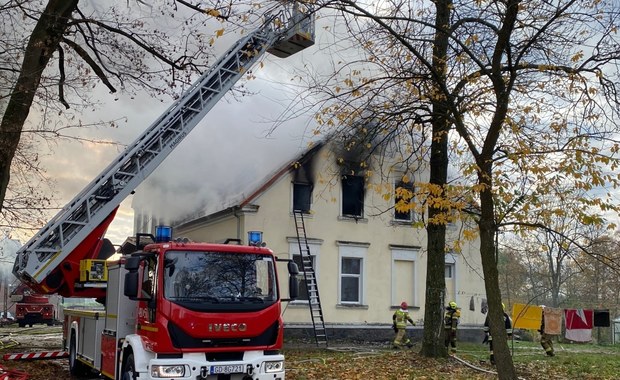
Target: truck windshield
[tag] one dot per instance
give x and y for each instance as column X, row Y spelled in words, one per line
column 219, row 277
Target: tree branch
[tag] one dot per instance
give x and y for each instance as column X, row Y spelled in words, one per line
column 91, row 62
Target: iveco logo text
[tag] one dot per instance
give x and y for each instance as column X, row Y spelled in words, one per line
column 226, row 327
column 178, row 139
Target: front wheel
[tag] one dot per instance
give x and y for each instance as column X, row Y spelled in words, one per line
column 129, row 369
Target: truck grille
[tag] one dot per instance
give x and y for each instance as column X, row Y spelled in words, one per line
column 181, row 340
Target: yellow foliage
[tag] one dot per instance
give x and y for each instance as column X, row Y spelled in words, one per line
column 212, row 12
column 577, row 56
column 220, row 32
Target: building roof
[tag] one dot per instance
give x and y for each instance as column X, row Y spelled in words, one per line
column 262, row 185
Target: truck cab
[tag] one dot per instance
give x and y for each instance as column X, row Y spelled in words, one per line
column 185, row 310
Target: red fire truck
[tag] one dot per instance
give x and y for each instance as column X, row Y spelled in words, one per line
column 173, row 309
column 33, row 309
column 184, row 310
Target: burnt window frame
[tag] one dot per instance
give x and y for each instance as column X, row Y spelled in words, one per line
column 297, row 194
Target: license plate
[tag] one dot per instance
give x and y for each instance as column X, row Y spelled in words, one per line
column 226, row 369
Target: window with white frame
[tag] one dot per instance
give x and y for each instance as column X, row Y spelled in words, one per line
column 311, row 261
column 449, row 270
column 351, row 273
column 450, row 275
column 404, row 275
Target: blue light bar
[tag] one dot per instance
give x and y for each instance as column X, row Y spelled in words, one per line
column 163, row 234
column 255, row 238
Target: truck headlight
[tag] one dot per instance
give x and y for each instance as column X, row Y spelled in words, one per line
column 167, row 371
column 277, row 366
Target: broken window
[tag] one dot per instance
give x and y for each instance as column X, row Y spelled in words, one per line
column 352, row 196
column 302, row 197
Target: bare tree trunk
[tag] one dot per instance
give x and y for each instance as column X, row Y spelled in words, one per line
column 433, row 340
column 43, row 42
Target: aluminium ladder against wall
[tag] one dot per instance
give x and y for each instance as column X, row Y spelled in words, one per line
column 280, row 35
column 312, row 287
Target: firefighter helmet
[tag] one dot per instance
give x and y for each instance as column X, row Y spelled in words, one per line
column 452, row 305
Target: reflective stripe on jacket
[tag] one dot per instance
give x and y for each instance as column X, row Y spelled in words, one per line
column 401, row 317
column 451, row 318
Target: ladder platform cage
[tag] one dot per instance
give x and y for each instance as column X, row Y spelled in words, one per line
column 300, row 33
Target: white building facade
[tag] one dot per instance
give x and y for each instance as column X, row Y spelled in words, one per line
column 367, row 256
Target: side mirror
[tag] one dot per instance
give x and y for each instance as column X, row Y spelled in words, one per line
column 293, row 287
column 293, row 270
column 131, row 285
column 132, row 263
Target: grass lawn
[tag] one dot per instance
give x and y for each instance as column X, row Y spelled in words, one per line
column 572, row 361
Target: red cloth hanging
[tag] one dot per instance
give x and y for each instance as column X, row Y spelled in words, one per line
column 579, row 324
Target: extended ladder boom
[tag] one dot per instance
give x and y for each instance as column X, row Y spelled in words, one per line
column 49, row 262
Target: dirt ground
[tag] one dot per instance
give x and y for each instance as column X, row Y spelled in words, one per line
column 41, row 338
column 304, row 361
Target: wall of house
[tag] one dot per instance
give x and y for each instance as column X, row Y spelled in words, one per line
column 214, row 230
column 392, row 255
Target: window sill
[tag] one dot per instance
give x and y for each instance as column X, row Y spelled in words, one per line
column 299, row 304
column 355, row 219
column 406, row 223
column 409, row 308
column 351, row 306
column 307, row 214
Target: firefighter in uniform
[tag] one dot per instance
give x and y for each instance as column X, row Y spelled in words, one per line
column 545, row 339
column 399, row 324
column 488, row 338
column 451, row 321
